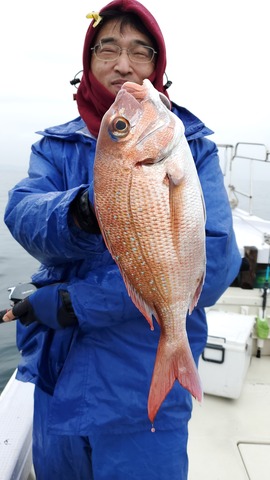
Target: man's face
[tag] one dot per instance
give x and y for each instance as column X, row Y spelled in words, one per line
column 112, row 74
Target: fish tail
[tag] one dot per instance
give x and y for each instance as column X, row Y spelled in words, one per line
column 172, row 363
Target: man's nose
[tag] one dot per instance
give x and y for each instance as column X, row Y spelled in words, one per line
column 123, row 62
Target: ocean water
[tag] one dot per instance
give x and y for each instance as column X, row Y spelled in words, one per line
column 17, row 265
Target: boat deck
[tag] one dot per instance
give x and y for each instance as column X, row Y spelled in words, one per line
column 230, row 439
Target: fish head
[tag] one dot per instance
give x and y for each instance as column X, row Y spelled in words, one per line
column 139, row 127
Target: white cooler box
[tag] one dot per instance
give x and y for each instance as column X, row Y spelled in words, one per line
column 226, row 357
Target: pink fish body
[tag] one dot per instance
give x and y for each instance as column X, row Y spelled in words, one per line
column 150, row 209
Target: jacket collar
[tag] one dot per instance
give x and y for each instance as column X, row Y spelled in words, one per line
column 76, row 129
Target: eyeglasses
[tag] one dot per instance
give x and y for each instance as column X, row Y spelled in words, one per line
column 111, row 52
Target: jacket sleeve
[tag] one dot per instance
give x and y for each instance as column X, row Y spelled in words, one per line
column 223, row 259
column 38, row 210
column 101, row 300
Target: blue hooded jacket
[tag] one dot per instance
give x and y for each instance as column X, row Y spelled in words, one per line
column 99, row 372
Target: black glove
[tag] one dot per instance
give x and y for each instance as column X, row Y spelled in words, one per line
column 82, row 209
column 50, row 306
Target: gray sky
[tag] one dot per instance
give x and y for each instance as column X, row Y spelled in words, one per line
column 218, row 56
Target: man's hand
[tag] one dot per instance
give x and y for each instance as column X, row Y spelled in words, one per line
column 83, row 212
column 8, row 317
column 49, row 305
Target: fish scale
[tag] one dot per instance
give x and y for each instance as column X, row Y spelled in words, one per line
column 150, row 209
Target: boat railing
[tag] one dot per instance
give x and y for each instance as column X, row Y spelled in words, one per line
column 245, row 156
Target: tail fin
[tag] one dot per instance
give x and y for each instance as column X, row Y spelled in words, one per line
column 173, row 362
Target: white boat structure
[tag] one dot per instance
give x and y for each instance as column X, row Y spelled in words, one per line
column 229, row 433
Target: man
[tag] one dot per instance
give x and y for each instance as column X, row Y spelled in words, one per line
column 84, row 344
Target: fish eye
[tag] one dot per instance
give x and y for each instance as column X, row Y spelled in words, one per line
column 119, row 127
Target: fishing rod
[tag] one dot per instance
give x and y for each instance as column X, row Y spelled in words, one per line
column 17, row 293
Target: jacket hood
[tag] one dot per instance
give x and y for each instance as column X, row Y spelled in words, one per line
column 93, row 99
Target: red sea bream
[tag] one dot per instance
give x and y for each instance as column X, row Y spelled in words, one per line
column 150, row 209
